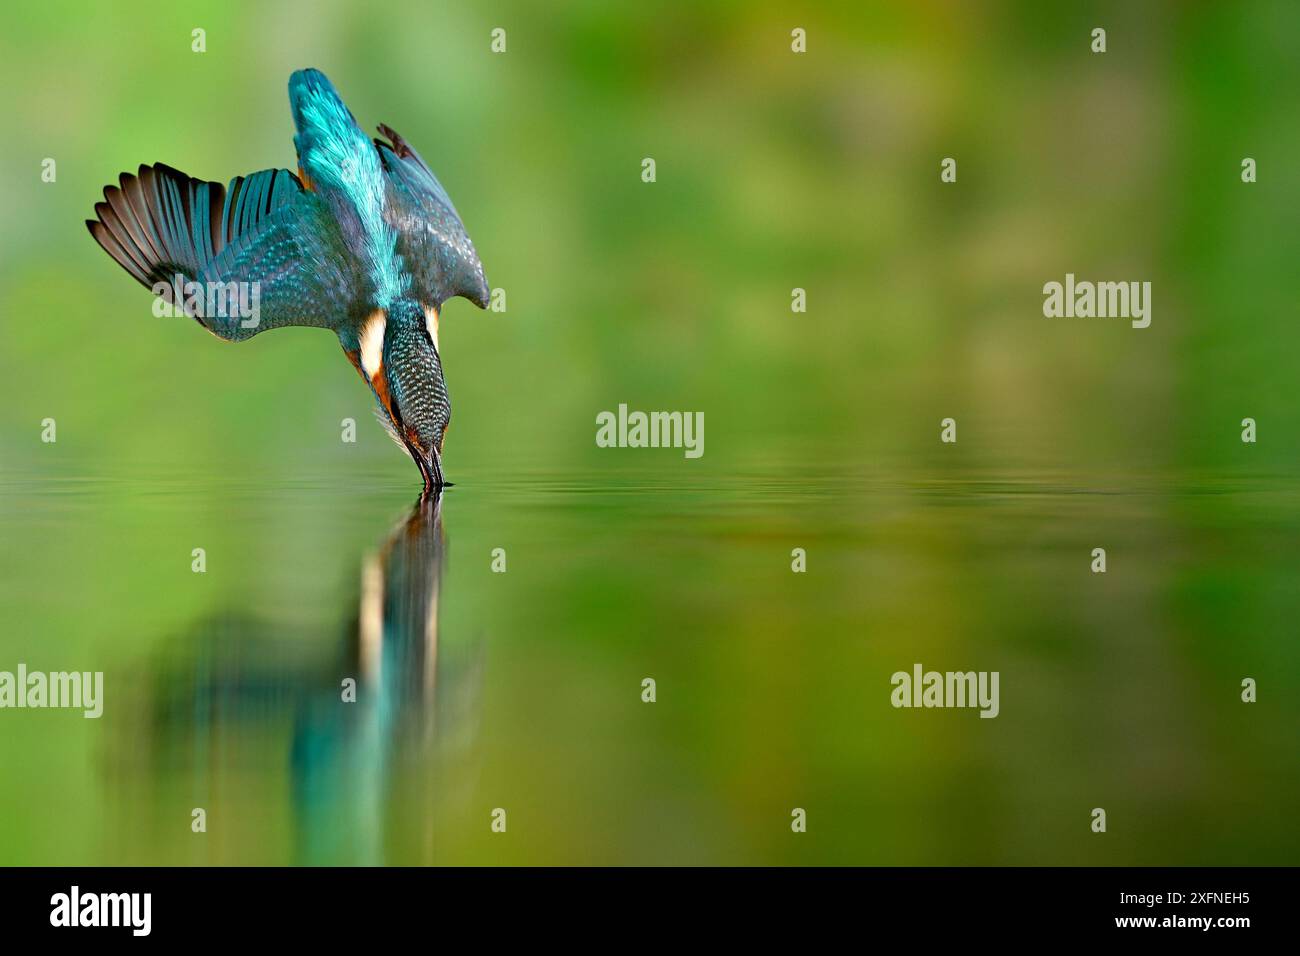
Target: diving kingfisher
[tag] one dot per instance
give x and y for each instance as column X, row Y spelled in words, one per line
column 363, row 240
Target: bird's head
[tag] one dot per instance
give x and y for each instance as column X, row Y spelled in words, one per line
column 408, row 381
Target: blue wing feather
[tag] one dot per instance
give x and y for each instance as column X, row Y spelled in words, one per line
column 296, row 258
column 165, row 223
column 263, row 228
column 438, row 253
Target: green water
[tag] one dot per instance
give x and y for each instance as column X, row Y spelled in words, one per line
column 522, row 690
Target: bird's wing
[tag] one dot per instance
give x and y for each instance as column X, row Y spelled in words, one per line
column 292, row 269
column 161, row 222
column 431, row 239
column 168, row 229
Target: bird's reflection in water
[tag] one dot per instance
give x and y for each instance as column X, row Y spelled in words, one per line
column 381, row 727
column 409, row 700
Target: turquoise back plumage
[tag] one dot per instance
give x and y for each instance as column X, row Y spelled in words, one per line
column 345, row 169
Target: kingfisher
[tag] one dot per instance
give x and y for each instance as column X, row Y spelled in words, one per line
column 363, row 240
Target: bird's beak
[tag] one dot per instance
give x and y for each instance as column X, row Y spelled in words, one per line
column 431, row 469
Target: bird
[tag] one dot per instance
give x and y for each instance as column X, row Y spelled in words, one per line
column 362, row 239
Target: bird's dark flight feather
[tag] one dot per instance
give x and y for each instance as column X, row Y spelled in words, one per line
column 162, row 222
column 431, row 238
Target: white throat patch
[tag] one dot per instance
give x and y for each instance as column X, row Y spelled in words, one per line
column 431, row 323
column 371, row 340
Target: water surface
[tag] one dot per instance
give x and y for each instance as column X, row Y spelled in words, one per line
column 522, row 690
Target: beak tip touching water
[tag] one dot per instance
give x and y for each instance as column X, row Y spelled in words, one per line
column 431, row 470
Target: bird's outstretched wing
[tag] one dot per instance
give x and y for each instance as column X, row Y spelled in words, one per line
column 185, row 236
column 161, row 221
column 298, row 264
column 431, row 239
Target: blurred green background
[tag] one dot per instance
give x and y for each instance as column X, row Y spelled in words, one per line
column 775, row 170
